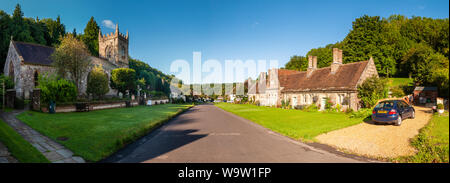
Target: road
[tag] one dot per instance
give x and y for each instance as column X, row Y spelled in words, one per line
column 206, row 133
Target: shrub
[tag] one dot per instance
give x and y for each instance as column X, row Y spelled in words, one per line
column 97, row 82
column 440, row 106
column 56, row 89
column 397, row 91
column 362, row 113
column 311, row 108
column 372, row 90
column 123, row 79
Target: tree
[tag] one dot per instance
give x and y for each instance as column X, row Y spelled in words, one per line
column 90, row 37
column 372, row 90
column 298, row 63
column 123, row 79
column 56, row 30
column 72, row 60
column 97, row 82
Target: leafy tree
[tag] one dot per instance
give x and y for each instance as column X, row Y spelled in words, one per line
column 56, row 30
column 324, row 55
column 298, row 63
column 90, row 37
column 72, row 60
column 123, row 79
column 372, row 90
column 97, row 82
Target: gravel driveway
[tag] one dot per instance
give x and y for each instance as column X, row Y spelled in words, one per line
column 385, row 141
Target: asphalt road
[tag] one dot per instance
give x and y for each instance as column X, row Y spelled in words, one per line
column 206, row 133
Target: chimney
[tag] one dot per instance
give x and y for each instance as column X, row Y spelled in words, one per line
column 337, row 60
column 312, row 64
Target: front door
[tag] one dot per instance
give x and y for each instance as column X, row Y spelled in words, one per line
column 323, row 102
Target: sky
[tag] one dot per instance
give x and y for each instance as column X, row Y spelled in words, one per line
column 162, row 31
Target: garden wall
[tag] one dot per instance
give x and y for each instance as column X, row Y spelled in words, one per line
column 92, row 107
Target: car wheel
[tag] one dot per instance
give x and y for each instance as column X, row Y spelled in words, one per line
column 399, row 121
column 413, row 115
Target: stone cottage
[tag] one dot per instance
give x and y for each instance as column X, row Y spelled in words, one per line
column 337, row 83
column 26, row 61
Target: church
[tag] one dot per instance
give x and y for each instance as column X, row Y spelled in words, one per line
column 26, row 61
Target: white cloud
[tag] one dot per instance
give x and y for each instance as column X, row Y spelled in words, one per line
column 108, row 24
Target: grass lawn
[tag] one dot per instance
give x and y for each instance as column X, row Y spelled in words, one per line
column 23, row 151
column 97, row 134
column 296, row 124
column 399, row 81
column 432, row 142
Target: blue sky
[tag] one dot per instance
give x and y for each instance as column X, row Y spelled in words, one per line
column 164, row 30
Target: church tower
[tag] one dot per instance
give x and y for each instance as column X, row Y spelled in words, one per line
column 114, row 47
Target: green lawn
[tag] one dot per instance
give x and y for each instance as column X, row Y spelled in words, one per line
column 97, row 134
column 23, row 151
column 399, row 81
column 432, row 142
column 296, row 124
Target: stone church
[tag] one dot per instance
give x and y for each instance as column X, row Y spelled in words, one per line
column 337, row 83
column 26, row 61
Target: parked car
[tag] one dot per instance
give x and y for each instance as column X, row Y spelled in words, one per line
column 392, row 111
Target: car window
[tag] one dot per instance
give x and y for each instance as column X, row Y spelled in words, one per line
column 385, row 105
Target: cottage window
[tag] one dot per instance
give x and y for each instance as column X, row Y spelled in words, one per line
column 36, row 78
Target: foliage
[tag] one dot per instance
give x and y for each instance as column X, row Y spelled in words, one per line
column 324, row 55
column 440, row 106
column 154, row 79
column 328, row 104
column 298, row 63
column 90, row 36
column 397, row 91
column 372, row 90
column 98, row 134
column 97, row 82
column 22, row 150
column 72, row 60
column 20, row 28
column 361, row 113
column 311, row 108
column 56, row 89
column 123, row 79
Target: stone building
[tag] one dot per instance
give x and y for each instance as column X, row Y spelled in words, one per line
column 26, row 61
column 337, row 83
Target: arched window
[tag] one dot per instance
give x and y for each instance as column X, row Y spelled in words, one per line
column 36, row 78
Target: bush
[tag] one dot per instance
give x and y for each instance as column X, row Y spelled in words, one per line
column 440, row 106
column 372, row 90
column 97, row 82
column 56, row 89
column 311, row 108
column 362, row 113
column 397, row 91
column 123, row 79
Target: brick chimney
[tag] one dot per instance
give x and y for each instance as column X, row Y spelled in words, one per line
column 312, row 64
column 337, row 60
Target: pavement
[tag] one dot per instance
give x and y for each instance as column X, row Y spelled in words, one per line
column 53, row 151
column 379, row 140
column 5, row 155
column 208, row 134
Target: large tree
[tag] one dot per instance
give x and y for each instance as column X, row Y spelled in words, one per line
column 298, row 63
column 71, row 59
column 90, row 36
column 124, row 79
